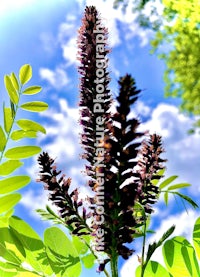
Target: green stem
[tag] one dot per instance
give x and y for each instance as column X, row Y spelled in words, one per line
column 143, row 264
column 114, row 265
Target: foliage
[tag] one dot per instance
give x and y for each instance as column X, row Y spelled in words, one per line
column 180, row 256
column 10, row 157
column 181, row 34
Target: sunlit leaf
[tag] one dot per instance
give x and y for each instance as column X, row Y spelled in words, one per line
column 14, row 81
column 180, row 258
column 35, row 106
column 179, row 186
column 9, row 166
column 80, row 245
column 11, row 248
column 33, row 245
column 187, row 198
column 2, row 139
column 9, row 201
column 63, row 257
column 166, row 196
column 14, row 97
column 196, row 237
column 7, row 119
column 167, row 181
column 32, row 90
column 20, row 134
column 22, row 152
column 13, row 183
column 88, row 260
column 30, row 125
column 25, row 73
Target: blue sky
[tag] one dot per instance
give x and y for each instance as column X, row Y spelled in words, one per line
column 43, row 34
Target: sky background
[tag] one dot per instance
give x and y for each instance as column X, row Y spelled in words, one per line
column 43, row 34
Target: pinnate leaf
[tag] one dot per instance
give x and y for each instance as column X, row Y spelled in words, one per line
column 32, row 90
column 30, row 125
column 14, row 81
column 7, row 202
column 22, row 152
column 32, row 243
column 9, row 166
column 179, row 186
column 2, row 139
column 7, row 119
column 62, row 255
column 196, row 237
column 167, row 181
column 34, row 106
column 13, row 183
column 14, row 97
column 20, row 134
column 25, row 73
column 88, row 260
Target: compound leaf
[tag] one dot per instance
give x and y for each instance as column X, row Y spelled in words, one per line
column 13, row 183
column 22, row 152
column 9, row 201
column 25, row 73
column 14, row 97
column 32, row 90
column 34, row 106
column 30, row 125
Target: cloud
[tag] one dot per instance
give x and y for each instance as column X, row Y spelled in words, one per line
column 184, row 227
column 182, row 150
column 57, row 78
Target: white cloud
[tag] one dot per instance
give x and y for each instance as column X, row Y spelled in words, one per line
column 57, row 78
column 184, row 227
column 182, row 150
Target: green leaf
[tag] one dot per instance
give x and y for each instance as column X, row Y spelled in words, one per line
column 11, row 248
column 166, row 196
column 13, row 183
column 35, row 106
column 167, row 181
column 20, row 134
column 159, row 173
column 22, row 152
column 2, row 139
column 63, row 257
column 153, row 269
column 179, row 186
column 8, row 120
column 33, row 245
column 7, row 202
column 88, row 260
column 152, row 247
column 32, row 90
column 180, row 258
column 9, row 166
column 30, row 125
column 25, row 73
column 14, row 97
column 14, row 81
column 196, row 237
column 186, row 198
column 80, row 245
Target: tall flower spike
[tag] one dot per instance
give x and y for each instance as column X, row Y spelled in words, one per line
column 95, row 97
column 149, row 165
column 121, row 181
column 67, row 203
